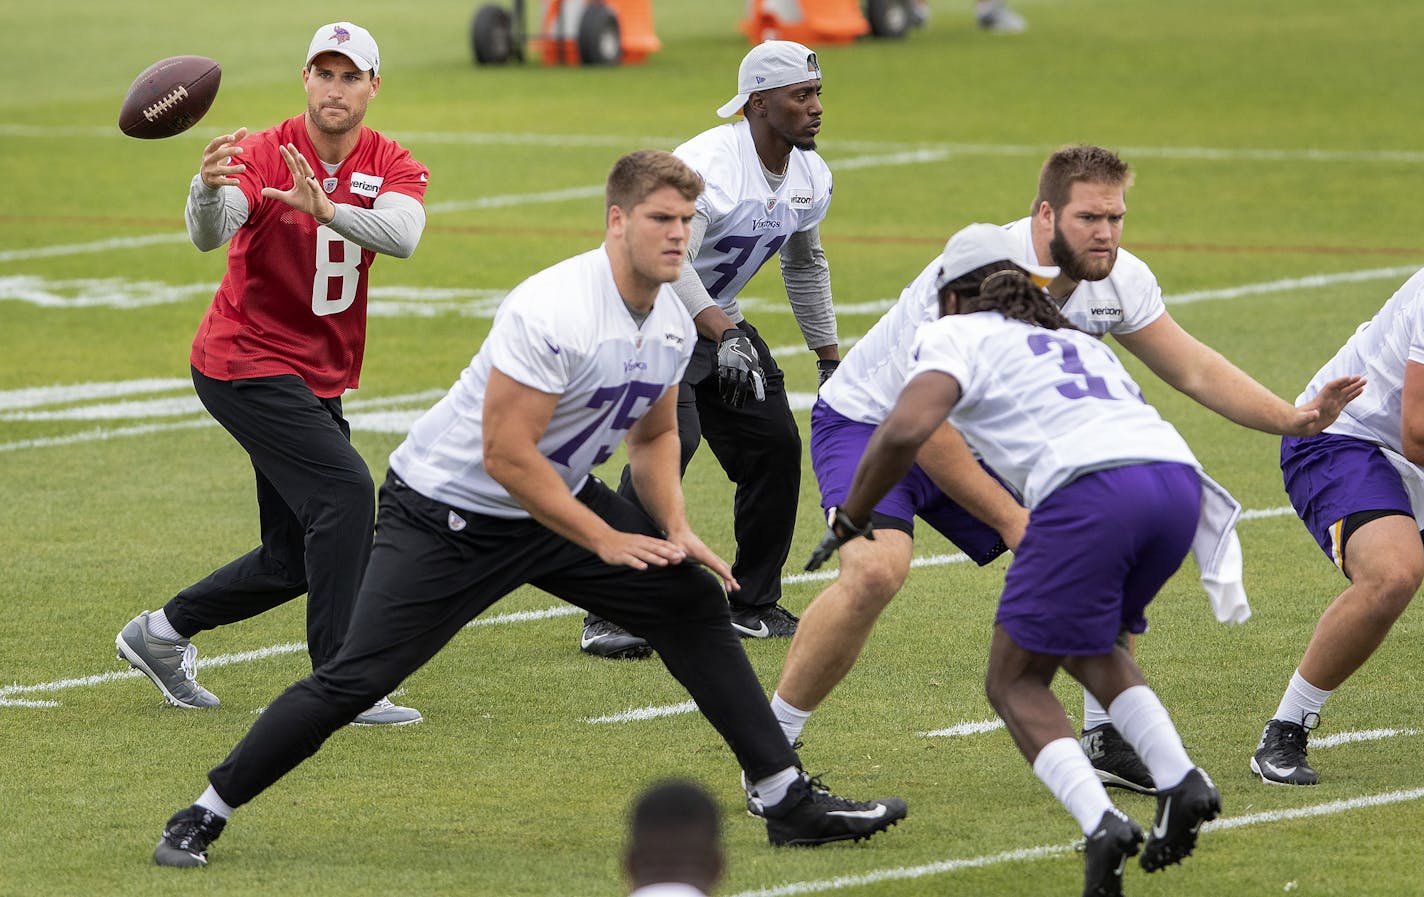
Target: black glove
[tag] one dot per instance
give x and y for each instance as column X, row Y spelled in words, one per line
column 738, row 371
column 825, row 367
column 839, row 530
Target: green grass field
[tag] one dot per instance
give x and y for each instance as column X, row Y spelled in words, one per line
column 1279, row 164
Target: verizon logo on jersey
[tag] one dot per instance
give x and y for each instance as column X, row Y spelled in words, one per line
column 800, row 199
column 366, row 184
column 1103, row 311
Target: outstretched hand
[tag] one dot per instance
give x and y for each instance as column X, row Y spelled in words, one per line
column 305, row 194
column 1322, row 411
column 218, row 168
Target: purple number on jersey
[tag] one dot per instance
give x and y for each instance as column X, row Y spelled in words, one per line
column 1070, row 363
column 743, row 247
column 627, row 414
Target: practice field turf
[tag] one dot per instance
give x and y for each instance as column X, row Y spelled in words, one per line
column 1280, row 160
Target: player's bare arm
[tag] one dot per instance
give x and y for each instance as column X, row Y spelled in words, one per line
column 922, row 407
column 1205, row 375
column 515, row 418
column 947, row 461
column 653, row 459
column 305, row 194
column 219, row 168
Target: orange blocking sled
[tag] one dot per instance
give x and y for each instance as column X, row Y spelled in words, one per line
column 591, row 32
column 808, row 22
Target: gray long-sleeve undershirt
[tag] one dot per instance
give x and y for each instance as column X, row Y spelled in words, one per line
column 391, row 227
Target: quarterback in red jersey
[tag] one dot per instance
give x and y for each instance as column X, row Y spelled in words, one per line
column 304, row 207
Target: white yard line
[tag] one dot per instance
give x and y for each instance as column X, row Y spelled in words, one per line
column 945, row 867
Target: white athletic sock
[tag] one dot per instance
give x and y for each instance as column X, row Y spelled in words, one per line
column 792, row 720
column 1094, row 714
column 1144, row 723
column 1067, row 772
column 1300, row 700
column 158, row 625
column 211, row 801
column 772, row 789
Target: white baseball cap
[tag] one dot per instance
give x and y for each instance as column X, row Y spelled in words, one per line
column 771, row 64
column 983, row 244
column 351, row 41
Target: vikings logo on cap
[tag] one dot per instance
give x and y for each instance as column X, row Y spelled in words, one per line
column 341, row 35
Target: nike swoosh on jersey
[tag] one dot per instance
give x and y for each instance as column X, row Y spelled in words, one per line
column 876, row 813
column 1159, row 828
column 552, row 348
column 762, row 631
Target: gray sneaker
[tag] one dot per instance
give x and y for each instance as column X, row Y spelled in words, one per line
column 172, row 666
column 999, row 18
column 384, row 713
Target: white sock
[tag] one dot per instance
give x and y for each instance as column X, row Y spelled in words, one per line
column 792, row 720
column 1067, row 772
column 1300, row 700
column 772, row 789
column 211, row 801
column 1094, row 714
column 1144, row 724
column 158, row 625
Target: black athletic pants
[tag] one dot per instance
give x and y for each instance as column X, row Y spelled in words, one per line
column 316, row 504
column 759, row 448
column 434, row 568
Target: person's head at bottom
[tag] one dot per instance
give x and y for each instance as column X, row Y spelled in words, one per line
column 674, row 837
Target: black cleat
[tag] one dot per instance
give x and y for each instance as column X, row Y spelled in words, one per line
column 186, row 837
column 810, row 815
column 1181, row 810
column 1280, row 758
column 763, row 621
column 1117, row 764
column 1105, row 853
column 604, row 638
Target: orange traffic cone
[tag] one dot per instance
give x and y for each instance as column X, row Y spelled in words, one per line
column 804, row 21
column 596, row 32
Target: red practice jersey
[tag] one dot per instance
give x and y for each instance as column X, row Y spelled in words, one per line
column 293, row 300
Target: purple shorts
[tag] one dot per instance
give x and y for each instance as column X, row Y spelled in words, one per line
column 1329, row 477
column 1095, row 553
column 837, row 444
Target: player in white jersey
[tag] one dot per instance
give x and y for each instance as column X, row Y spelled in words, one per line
column 1116, row 497
column 1101, row 289
column 492, row 490
column 767, row 193
column 1359, row 489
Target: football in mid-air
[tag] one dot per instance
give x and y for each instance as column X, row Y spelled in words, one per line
column 169, row 97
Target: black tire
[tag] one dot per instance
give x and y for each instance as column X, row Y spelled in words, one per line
column 492, row 35
column 888, row 18
column 600, row 42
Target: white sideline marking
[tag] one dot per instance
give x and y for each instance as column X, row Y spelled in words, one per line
column 223, row 660
column 12, row 399
column 942, row 867
column 642, row 713
column 1294, row 283
column 1327, row 741
column 563, row 141
column 974, row 728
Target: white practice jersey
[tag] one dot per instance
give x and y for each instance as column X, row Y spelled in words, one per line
column 1380, row 349
column 1125, row 301
column 870, row 376
column 748, row 221
column 565, row 331
column 1042, row 407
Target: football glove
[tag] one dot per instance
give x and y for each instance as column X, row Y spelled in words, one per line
column 825, row 367
column 738, row 371
column 839, row 530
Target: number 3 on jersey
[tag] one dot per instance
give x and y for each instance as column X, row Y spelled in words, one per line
column 328, row 245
